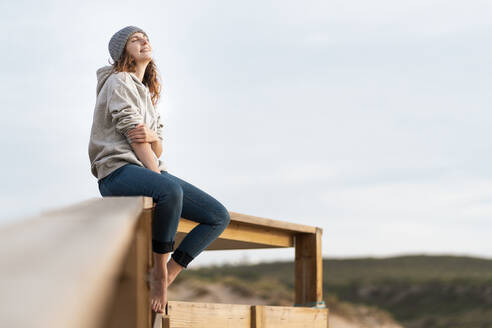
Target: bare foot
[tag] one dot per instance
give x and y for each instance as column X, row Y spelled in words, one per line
column 158, row 292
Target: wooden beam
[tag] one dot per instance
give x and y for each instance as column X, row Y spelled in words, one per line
column 288, row 317
column 257, row 316
column 246, row 231
column 308, row 270
column 255, row 220
column 189, row 314
column 160, row 320
column 270, row 223
column 60, row 268
column 241, row 235
column 87, row 266
column 131, row 300
column 194, row 314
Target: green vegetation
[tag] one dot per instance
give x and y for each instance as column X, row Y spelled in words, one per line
column 418, row 291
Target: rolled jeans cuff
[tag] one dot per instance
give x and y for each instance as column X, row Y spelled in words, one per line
column 182, row 258
column 162, row 247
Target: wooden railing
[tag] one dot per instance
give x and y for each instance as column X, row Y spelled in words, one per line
column 87, row 265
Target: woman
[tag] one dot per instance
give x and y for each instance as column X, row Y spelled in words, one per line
column 124, row 150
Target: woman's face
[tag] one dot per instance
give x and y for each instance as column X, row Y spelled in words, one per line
column 138, row 47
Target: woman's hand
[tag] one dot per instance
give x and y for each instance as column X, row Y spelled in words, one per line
column 142, row 134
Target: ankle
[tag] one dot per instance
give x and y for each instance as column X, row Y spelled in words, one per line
column 159, row 273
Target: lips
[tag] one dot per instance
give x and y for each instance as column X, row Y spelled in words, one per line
column 146, row 49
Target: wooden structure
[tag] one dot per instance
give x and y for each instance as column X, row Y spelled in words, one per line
column 87, row 265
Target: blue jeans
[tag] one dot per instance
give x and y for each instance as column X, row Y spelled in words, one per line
column 174, row 199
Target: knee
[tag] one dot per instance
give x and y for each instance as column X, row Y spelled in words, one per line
column 223, row 217
column 172, row 193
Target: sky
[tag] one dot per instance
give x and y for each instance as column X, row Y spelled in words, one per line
column 369, row 119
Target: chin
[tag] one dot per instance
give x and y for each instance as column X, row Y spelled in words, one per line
column 142, row 58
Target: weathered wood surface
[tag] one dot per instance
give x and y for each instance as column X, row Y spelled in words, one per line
column 130, row 304
column 250, row 232
column 84, row 266
column 58, row 269
column 308, row 277
column 205, row 315
column 247, row 232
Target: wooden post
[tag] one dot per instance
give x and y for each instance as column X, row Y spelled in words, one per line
column 257, row 316
column 160, row 320
column 131, row 302
column 308, row 270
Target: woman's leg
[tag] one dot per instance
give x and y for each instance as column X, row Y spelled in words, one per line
column 134, row 180
column 200, row 207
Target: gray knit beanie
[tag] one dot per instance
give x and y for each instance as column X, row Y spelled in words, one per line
column 118, row 41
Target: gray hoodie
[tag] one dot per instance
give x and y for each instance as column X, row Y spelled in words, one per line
column 122, row 102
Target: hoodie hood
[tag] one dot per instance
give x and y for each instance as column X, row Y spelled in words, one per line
column 104, row 72
column 102, row 75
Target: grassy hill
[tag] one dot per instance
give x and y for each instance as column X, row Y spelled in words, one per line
column 418, row 291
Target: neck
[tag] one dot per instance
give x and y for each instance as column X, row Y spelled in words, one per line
column 140, row 70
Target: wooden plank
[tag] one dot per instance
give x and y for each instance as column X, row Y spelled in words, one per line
column 92, row 260
column 270, row 223
column 131, row 300
column 148, row 203
column 124, row 303
column 157, row 320
column 201, row 315
column 257, row 316
column 289, row 317
column 206, row 315
column 228, row 244
column 144, row 240
column 160, row 320
column 257, row 221
column 59, row 269
column 246, row 232
column 250, row 235
column 166, row 321
column 308, row 270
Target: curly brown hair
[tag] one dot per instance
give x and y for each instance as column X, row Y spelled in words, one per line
column 151, row 77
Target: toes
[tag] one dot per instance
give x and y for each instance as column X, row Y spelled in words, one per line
column 155, row 306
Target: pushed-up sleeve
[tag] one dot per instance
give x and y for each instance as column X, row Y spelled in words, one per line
column 123, row 109
column 160, row 126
